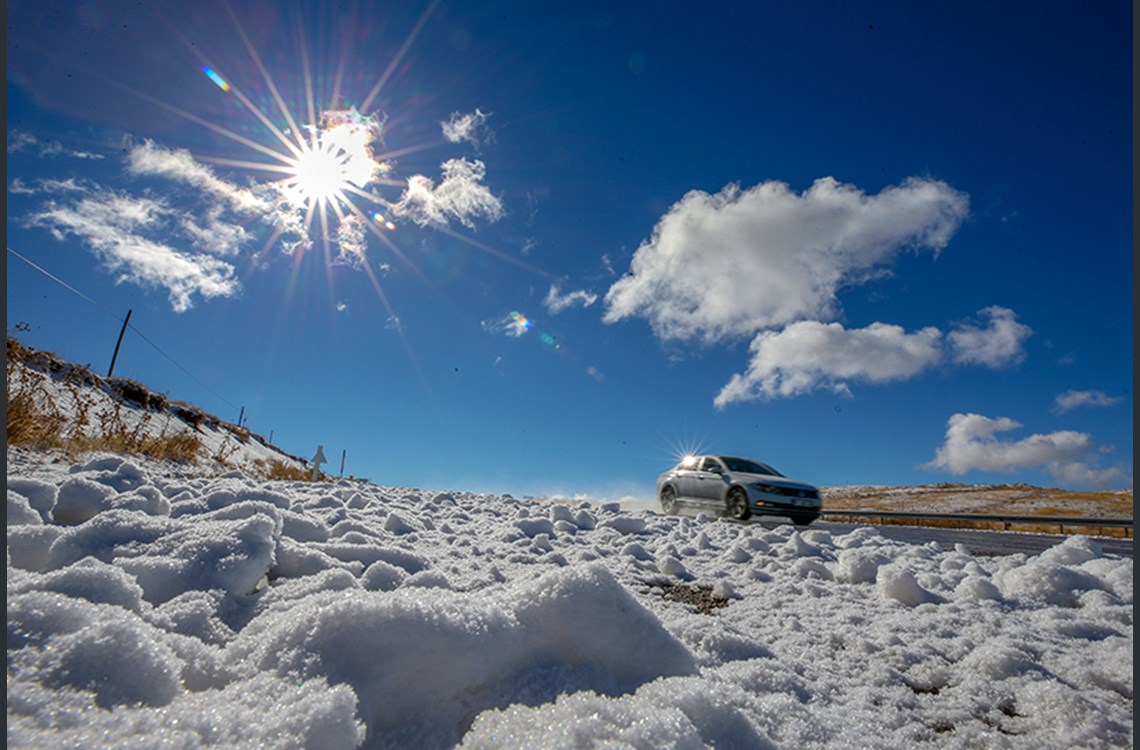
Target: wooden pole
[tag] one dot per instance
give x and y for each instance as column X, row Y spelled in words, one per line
column 343, row 453
column 118, row 343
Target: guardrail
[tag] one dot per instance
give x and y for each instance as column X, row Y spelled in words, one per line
column 1005, row 520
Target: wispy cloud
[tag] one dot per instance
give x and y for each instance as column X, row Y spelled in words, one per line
column 557, row 302
column 19, row 140
column 23, row 141
column 179, row 165
column 470, row 127
column 513, row 324
column 809, row 355
column 728, row 265
column 971, row 445
column 352, row 242
column 1070, row 400
column 461, row 196
column 998, row 344
column 121, row 229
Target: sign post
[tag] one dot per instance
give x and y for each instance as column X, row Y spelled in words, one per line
column 317, row 461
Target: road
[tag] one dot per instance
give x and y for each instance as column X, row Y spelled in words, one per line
column 977, row 542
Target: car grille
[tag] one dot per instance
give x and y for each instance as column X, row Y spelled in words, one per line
column 773, row 489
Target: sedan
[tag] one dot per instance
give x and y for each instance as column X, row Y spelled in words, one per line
column 738, row 488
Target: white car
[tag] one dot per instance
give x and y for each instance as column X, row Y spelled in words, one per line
column 738, row 488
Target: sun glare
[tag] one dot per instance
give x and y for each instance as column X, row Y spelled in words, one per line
column 338, row 158
column 318, row 175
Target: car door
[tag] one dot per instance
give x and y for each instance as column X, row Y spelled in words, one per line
column 709, row 481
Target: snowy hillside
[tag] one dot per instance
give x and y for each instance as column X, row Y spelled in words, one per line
column 160, row 603
column 74, row 406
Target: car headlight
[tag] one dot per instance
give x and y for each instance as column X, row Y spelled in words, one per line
column 761, row 487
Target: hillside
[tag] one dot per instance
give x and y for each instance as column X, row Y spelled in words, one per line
column 1010, row 499
column 68, row 410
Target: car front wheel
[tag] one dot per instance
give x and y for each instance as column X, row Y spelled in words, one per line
column 738, row 504
column 669, row 500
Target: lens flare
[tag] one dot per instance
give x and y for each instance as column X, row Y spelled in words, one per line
column 213, row 76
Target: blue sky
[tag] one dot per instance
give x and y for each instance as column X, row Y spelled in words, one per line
column 549, row 247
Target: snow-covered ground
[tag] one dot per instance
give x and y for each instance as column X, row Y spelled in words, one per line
column 154, row 606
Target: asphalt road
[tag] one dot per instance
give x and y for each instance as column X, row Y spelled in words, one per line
column 976, row 541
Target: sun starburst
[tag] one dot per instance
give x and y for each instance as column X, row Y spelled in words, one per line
column 336, row 158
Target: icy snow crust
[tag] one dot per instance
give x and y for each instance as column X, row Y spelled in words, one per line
column 148, row 609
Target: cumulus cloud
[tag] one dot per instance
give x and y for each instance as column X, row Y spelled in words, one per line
column 999, row 343
column 461, row 195
column 972, row 445
column 470, row 127
column 731, row 264
column 810, row 355
column 1070, row 400
column 118, row 229
column 557, row 302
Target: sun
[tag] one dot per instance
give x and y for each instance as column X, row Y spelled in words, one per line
column 335, row 159
column 318, row 176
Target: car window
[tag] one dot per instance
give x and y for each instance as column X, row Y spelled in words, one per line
column 711, row 464
column 751, row 467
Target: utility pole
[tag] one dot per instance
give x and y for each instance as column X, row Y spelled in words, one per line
column 343, row 453
column 118, row 343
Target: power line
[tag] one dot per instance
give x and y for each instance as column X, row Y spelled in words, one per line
column 144, row 337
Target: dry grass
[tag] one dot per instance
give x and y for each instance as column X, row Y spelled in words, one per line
column 1008, row 499
column 27, row 424
column 285, row 471
column 34, row 420
column 1017, row 500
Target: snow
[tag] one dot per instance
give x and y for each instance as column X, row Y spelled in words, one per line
column 157, row 605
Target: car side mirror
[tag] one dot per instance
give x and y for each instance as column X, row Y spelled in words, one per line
column 716, row 470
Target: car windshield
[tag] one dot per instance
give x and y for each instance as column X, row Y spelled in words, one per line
column 750, row 467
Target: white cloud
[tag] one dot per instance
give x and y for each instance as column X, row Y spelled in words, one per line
column 471, row 127
column 810, row 355
column 352, row 242
column 971, row 445
column 180, row 165
column 18, row 140
column 116, row 228
column 1070, row 400
column 211, row 234
column 728, row 265
column 19, row 187
column 998, row 344
column 557, row 302
column 460, row 196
